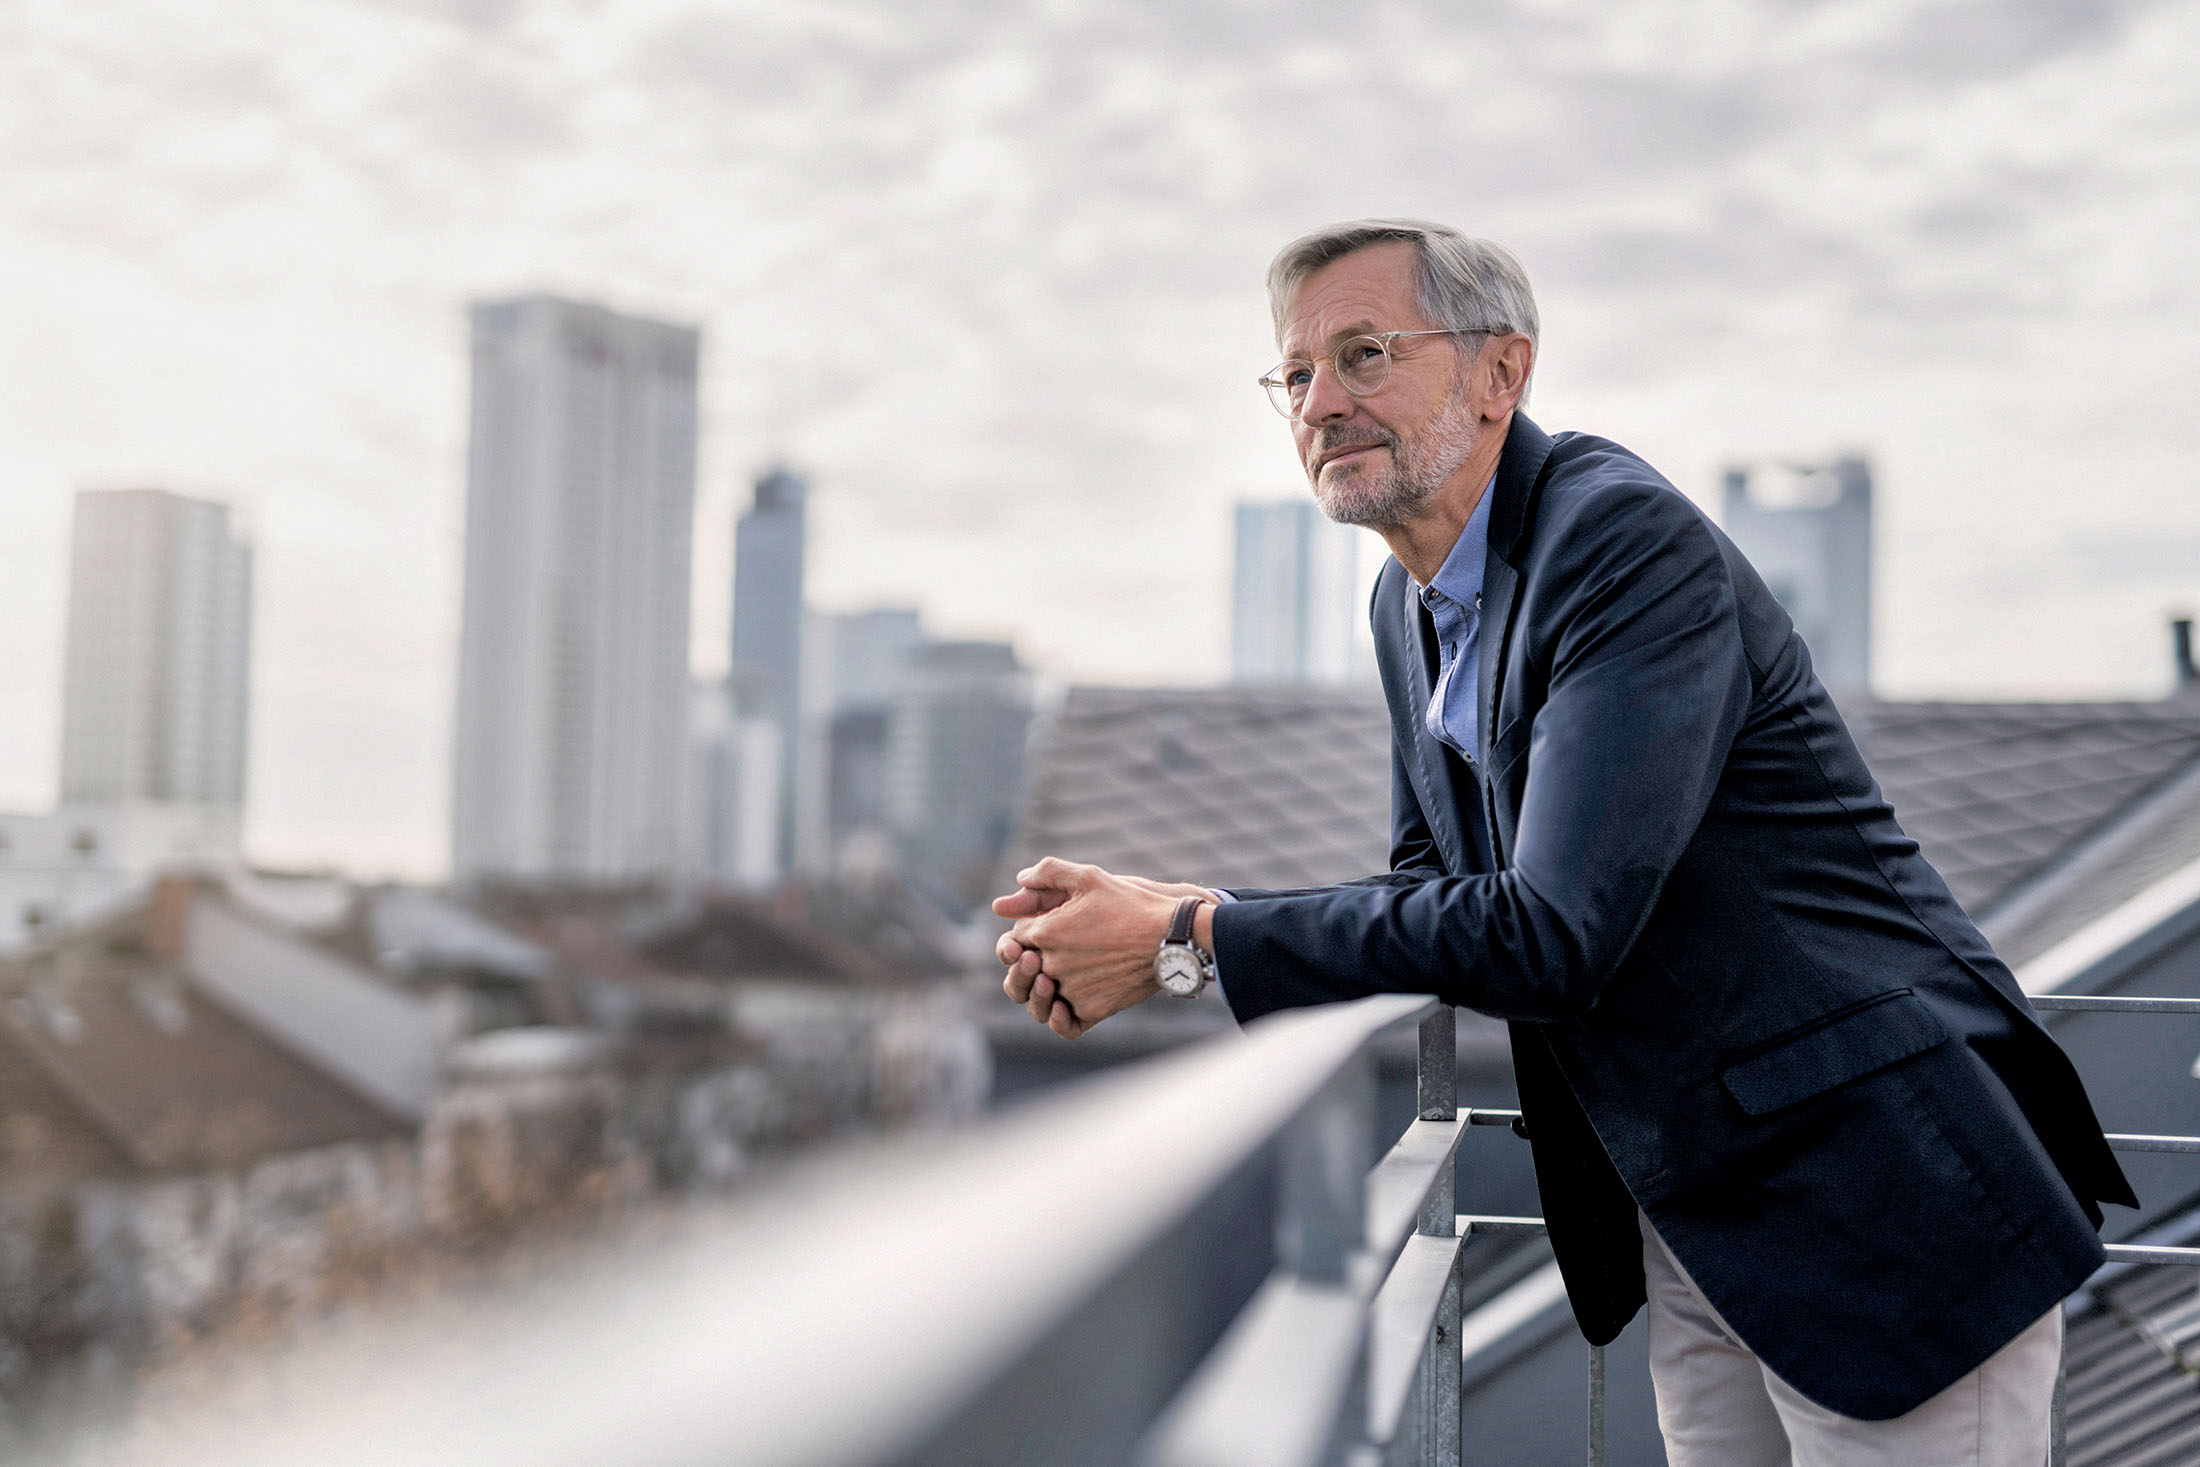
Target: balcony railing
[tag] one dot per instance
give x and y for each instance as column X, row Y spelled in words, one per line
column 2120, row 1255
column 1187, row 1261
column 1192, row 1262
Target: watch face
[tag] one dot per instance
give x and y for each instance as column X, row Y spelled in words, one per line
column 1177, row 969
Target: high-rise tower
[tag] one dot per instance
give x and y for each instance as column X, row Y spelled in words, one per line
column 767, row 625
column 156, row 666
column 573, row 659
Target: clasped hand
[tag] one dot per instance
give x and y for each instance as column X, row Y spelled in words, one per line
column 1084, row 941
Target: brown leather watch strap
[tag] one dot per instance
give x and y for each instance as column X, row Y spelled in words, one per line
column 1180, row 925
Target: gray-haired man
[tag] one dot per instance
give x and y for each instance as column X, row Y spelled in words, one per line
column 1777, row 1083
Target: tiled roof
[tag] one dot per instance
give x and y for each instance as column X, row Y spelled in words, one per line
column 2132, row 1360
column 1285, row 786
column 45, row 1137
column 644, row 935
column 2154, row 836
column 169, row 1081
column 1994, row 791
column 1231, row 786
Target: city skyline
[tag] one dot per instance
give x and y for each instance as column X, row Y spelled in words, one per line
column 238, row 243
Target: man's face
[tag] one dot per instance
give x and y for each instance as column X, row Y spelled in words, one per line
column 1376, row 460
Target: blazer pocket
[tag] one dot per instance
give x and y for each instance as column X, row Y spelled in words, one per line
column 1883, row 1029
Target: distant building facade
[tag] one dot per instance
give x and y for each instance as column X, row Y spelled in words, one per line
column 1808, row 531
column 769, row 544
column 1295, row 605
column 731, row 827
column 155, row 693
column 874, row 654
column 955, row 765
column 574, row 699
column 156, row 670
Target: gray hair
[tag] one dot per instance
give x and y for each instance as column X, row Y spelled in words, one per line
column 1467, row 284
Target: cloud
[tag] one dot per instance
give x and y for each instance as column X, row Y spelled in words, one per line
column 2166, row 560
column 991, row 270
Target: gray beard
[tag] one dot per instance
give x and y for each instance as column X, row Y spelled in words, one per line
column 1388, row 497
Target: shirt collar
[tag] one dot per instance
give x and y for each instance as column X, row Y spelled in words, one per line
column 1459, row 578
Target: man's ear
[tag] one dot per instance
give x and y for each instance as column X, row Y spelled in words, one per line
column 1503, row 368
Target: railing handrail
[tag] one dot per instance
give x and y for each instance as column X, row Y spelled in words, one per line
column 931, row 1301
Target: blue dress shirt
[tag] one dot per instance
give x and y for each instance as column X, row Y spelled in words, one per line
column 1454, row 602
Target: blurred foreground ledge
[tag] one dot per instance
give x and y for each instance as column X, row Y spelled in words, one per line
column 1103, row 1273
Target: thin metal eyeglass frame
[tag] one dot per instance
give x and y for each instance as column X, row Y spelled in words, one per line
column 1279, row 391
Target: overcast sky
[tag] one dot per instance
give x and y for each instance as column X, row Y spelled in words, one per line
column 990, row 275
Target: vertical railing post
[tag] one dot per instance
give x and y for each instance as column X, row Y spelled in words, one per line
column 1596, row 1406
column 1436, row 1081
column 2058, row 1417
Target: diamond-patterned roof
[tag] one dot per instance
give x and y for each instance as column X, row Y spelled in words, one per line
column 1291, row 786
column 2153, row 837
column 1994, row 791
column 1231, row 786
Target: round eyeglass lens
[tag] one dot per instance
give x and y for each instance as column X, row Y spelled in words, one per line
column 1363, row 365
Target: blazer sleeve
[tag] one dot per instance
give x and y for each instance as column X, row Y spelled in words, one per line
column 1632, row 619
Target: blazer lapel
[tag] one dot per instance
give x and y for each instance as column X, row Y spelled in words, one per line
column 1519, row 475
column 1512, row 505
column 1492, row 638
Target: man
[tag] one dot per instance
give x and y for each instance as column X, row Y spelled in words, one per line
column 1775, row 1080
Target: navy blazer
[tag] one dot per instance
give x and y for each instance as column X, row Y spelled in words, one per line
column 1740, row 998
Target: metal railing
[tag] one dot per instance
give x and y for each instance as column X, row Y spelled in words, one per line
column 2119, row 1254
column 1350, row 1351
column 2123, row 1254
column 1196, row 1261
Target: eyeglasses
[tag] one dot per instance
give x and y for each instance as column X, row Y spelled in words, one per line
column 1362, row 365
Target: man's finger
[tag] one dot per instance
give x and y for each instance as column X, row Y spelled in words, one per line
column 1022, row 902
column 1042, row 998
column 1007, row 949
column 1055, row 874
column 1063, row 1021
column 1017, row 983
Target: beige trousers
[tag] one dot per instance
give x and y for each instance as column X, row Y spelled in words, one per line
column 1719, row 1407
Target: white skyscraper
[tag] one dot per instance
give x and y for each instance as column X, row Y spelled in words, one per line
column 156, row 667
column 573, row 697
column 1296, row 608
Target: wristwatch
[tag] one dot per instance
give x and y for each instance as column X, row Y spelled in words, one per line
column 1180, row 967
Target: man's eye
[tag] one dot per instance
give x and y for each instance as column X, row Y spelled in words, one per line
column 1296, row 374
column 1356, row 354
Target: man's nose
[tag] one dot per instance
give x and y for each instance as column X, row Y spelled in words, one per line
column 1326, row 401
